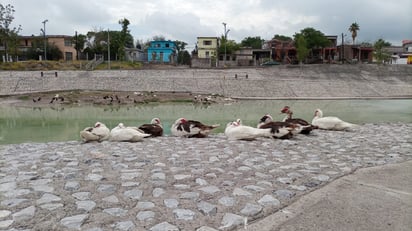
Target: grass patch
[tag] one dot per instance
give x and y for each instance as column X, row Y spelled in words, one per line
column 23, row 97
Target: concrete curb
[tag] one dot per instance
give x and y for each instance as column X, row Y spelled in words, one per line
column 376, row 198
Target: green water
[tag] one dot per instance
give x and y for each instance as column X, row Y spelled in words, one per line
column 25, row 124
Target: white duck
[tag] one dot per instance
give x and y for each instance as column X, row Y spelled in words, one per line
column 330, row 122
column 191, row 128
column 97, row 133
column 236, row 131
column 123, row 133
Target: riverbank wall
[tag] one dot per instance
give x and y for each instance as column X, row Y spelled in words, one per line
column 307, row 81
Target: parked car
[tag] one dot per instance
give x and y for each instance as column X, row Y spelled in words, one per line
column 270, row 63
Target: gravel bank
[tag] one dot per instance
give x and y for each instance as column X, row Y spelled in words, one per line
column 171, row 183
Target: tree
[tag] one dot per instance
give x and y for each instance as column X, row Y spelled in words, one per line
column 314, row 39
column 79, row 41
column 124, row 41
column 180, row 48
column 353, row 28
column 8, row 35
column 184, row 58
column 53, row 52
column 97, row 43
column 282, row 37
column 253, row 42
column 301, row 48
column 159, row 38
column 379, row 52
column 231, row 46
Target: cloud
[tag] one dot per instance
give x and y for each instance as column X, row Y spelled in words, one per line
column 186, row 20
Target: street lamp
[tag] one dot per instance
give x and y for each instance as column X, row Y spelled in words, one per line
column 226, row 32
column 44, row 37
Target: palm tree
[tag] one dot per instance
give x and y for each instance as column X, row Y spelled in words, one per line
column 354, row 27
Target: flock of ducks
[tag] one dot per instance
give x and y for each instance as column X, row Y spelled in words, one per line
column 235, row 130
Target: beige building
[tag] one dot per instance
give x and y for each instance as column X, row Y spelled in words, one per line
column 63, row 42
column 207, row 47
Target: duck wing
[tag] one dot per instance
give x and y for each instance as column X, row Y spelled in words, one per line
column 152, row 129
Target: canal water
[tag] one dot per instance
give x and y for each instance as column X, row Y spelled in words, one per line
column 63, row 123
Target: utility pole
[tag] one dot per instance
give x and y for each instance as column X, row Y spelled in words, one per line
column 343, row 50
column 108, row 48
column 44, row 37
column 76, row 46
column 226, row 32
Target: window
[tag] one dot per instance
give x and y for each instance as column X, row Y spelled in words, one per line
column 207, row 42
column 207, row 54
column 68, row 42
column 158, row 45
column 167, row 45
column 69, row 56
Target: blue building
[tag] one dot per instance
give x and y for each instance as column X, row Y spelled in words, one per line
column 161, row 52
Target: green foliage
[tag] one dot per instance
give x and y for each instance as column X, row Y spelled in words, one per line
column 118, row 40
column 253, row 42
column 123, row 36
column 282, row 37
column 313, row 38
column 79, row 41
column 301, row 48
column 231, row 46
column 366, row 44
column 379, row 53
column 37, row 49
column 184, row 58
column 8, row 35
column 353, row 28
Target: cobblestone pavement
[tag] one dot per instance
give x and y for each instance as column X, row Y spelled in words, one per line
column 172, row 183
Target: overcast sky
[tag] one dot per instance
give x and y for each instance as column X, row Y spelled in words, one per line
column 181, row 20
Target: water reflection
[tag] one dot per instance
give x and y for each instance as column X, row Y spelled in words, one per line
column 22, row 124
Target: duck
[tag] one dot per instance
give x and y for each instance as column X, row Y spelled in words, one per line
column 155, row 128
column 56, row 98
column 281, row 130
column 306, row 127
column 330, row 122
column 191, row 128
column 236, row 131
column 128, row 134
column 97, row 133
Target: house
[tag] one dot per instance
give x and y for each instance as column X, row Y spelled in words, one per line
column 247, row 56
column 354, row 53
column 282, row 51
column 401, row 54
column 161, row 52
column 206, row 52
column 135, row 54
column 207, row 47
column 62, row 42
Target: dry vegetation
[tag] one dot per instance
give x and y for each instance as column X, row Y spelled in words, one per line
column 33, row 65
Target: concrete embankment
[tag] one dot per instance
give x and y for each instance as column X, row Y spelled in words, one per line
column 309, row 81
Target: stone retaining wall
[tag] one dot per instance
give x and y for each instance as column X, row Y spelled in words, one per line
column 270, row 82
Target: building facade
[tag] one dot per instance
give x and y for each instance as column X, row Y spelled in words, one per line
column 207, row 47
column 161, row 52
column 62, row 42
